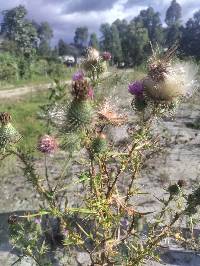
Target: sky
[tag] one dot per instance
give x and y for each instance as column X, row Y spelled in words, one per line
column 65, row 15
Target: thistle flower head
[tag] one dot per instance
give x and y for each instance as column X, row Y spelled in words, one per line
column 168, row 80
column 78, row 76
column 136, row 88
column 81, row 90
column 90, row 93
column 47, row 144
column 106, row 56
column 38, row 221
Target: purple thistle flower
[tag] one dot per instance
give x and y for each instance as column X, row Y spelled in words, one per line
column 65, row 232
column 107, row 56
column 38, row 220
column 47, row 144
column 136, row 88
column 90, row 93
column 78, row 76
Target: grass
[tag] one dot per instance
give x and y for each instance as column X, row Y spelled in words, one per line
column 35, row 80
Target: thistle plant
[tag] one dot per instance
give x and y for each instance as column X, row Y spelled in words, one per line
column 105, row 221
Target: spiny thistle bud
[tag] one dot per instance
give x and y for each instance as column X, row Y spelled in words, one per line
column 193, row 201
column 139, row 104
column 47, row 144
column 81, row 90
column 99, row 144
column 106, row 56
column 8, row 134
column 174, row 190
column 79, row 115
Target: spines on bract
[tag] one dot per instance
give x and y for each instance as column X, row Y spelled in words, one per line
column 8, row 134
column 139, row 104
column 99, row 144
column 72, row 142
column 79, row 115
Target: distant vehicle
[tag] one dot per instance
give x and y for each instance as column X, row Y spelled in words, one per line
column 68, row 60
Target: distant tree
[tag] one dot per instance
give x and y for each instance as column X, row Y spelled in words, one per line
column 116, row 48
column 122, row 26
column 191, row 37
column 173, row 14
column 67, row 49
column 137, row 42
column 106, row 38
column 61, row 47
column 15, row 27
column 152, row 22
column 45, row 34
column 94, row 41
column 173, row 20
column 81, row 36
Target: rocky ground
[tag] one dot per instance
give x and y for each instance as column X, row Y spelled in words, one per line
column 180, row 161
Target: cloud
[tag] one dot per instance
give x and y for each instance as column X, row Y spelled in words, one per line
column 88, row 5
column 188, row 6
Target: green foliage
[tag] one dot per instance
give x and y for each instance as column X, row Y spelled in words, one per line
column 81, row 36
column 173, row 14
column 56, row 70
column 191, row 37
column 152, row 22
column 28, row 238
column 39, row 68
column 20, row 30
column 94, row 41
column 8, row 67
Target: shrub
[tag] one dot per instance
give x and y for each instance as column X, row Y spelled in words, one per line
column 8, row 67
column 57, row 70
column 39, row 68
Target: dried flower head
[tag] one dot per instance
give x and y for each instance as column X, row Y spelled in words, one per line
column 92, row 54
column 168, row 80
column 108, row 113
column 78, row 76
column 106, row 56
column 13, row 219
column 47, row 144
column 92, row 59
